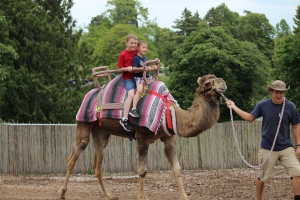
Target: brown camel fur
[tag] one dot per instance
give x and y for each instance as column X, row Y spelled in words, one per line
column 202, row 115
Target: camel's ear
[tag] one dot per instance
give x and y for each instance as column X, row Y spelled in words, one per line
column 199, row 80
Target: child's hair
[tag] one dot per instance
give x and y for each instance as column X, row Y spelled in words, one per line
column 141, row 42
column 131, row 36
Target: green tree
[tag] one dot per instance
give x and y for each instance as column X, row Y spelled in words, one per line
column 127, row 12
column 297, row 21
column 286, row 61
column 96, row 30
column 43, row 35
column 101, row 20
column 222, row 16
column 149, row 29
column 186, row 25
column 166, row 45
column 255, row 27
column 209, row 50
column 282, row 29
column 286, row 65
column 7, row 56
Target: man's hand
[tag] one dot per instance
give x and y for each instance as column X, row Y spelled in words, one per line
column 296, row 131
column 298, row 152
column 230, row 104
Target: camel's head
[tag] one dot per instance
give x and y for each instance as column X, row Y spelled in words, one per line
column 211, row 87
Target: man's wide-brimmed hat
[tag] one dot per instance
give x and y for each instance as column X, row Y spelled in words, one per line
column 278, row 85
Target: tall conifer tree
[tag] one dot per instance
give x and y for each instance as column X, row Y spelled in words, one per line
column 44, row 36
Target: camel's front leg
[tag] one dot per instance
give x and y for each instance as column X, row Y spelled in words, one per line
column 81, row 141
column 171, row 155
column 100, row 142
column 142, row 168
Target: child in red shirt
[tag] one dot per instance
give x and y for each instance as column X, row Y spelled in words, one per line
column 125, row 61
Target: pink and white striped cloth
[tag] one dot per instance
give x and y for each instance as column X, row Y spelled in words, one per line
column 88, row 108
column 150, row 107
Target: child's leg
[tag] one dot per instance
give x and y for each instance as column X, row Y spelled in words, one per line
column 139, row 91
column 127, row 103
column 130, row 88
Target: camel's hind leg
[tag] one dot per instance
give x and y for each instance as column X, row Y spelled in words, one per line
column 171, row 155
column 81, row 141
column 100, row 142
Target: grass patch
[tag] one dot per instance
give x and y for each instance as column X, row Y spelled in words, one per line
column 90, row 171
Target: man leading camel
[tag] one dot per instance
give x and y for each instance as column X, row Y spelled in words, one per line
column 270, row 110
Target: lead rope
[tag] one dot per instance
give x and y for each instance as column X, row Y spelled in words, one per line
column 236, row 141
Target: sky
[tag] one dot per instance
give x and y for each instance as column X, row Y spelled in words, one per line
column 165, row 12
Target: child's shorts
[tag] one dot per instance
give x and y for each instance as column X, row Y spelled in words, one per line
column 287, row 158
column 140, row 80
column 129, row 84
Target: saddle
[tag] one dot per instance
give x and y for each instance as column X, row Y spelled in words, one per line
column 108, row 103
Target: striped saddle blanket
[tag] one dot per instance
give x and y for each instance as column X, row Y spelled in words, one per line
column 150, row 108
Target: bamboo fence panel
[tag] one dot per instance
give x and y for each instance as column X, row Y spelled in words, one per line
column 44, row 149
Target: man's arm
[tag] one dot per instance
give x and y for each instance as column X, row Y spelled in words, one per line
column 296, row 130
column 246, row 116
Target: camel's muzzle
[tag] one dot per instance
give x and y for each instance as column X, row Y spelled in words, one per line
column 221, row 89
column 219, row 85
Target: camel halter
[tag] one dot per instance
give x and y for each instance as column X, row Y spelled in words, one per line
column 211, row 88
column 236, row 141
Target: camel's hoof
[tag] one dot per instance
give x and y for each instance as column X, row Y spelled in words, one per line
column 143, row 198
column 184, row 198
column 61, row 193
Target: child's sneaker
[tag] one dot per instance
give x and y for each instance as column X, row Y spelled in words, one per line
column 126, row 124
column 134, row 113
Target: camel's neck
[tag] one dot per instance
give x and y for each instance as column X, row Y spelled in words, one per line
column 201, row 116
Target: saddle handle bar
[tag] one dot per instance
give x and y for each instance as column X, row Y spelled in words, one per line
column 154, row 65
column 103, row 71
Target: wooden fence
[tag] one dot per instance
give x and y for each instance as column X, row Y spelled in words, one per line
column 44, row 149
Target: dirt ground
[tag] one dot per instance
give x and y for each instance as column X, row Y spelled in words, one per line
column 200, row 184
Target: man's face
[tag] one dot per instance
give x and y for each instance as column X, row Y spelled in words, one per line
column 277, row 96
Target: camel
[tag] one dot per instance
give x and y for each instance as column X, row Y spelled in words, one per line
column 202, row 115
